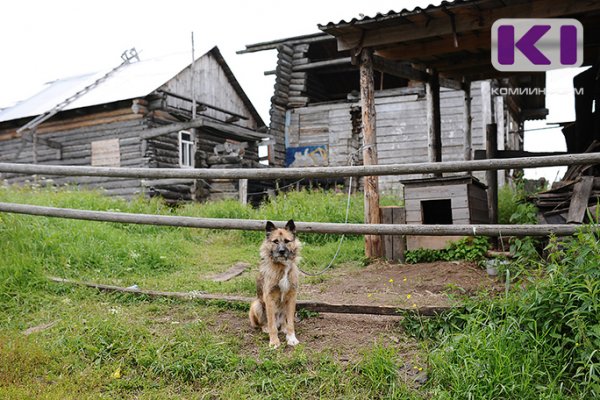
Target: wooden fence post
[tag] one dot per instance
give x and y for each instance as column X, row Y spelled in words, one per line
column 468, row 121
column 243, row 188
column 491, row 145
column 371, row 183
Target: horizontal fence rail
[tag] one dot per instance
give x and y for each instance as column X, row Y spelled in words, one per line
column 312, row 172
column 315, row 306
column 308, row 227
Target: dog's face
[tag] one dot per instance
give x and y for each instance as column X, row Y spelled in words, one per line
column 281, row 244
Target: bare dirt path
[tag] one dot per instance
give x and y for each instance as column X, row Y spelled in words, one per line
column 408, row 285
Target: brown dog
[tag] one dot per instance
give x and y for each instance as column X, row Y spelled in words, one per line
column 277, row 284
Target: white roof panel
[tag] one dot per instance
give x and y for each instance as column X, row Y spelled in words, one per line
column 136, row 79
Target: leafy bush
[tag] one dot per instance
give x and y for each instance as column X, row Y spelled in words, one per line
column 469, row 249
column 508, row 200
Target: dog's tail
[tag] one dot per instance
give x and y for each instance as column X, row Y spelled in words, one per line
column 257, row 314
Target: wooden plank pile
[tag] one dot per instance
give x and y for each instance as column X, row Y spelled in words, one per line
column 575, row 199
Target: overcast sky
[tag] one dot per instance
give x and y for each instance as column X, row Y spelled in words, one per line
column 41, row 41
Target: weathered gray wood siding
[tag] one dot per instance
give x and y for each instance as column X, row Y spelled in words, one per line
column 77, row 150
column 329, row 125
column 402, row 130
column 456, row 193
column 212, row 87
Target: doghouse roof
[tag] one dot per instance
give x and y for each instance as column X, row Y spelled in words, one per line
column 445, row 181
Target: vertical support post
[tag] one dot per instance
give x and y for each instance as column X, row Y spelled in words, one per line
column 491, row 145
column 367, row 94
column 34, row 138
column 243, row 188
column 434, row 123
column 468, row 121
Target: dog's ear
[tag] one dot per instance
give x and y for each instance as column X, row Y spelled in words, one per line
column 269, row 228
column 290, row 226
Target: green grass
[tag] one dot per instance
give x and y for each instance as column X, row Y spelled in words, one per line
column 160, row 348
column 539, row 341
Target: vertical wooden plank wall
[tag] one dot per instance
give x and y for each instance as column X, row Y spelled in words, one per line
column 394, row 246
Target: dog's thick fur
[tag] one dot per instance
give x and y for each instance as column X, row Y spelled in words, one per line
column 277, row 284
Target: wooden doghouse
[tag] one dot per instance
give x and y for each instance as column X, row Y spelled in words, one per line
column 449, row 200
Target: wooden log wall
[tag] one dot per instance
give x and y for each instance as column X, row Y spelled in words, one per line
column 279, row 102
column 76, row 136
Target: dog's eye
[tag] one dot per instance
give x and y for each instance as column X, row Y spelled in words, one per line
column 275, row 241
column 286, row 241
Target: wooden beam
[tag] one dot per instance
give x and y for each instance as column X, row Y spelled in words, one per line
column 491, row 147
column 301, row 172
column 274, row 44
column 434, row 124
column 371, row 183
column 579, row 200
column 303, row 227
column 203, row 122
column 437, row 47
column 323, row 64
column 481, row 154
column 406, row 71
column 235, row 130
column 469, row 19
column 201, row 105
column 401, row 70
column 309, row 305
column 468, row 120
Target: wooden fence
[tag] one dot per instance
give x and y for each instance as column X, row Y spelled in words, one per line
column 309, row 227
column 287, row 173
column 313, row 172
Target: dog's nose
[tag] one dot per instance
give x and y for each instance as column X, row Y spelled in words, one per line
column 282, row 251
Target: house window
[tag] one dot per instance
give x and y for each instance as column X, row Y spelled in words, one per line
column 186, row 149
column 265, row 152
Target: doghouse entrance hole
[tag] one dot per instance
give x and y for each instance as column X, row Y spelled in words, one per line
column 436, row 211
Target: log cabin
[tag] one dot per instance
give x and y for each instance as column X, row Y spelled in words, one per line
column 164, row 112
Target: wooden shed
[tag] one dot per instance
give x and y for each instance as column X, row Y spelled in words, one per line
column 448, row 200
column 140, row 114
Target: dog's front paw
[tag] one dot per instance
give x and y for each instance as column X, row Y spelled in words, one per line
column 274, row 343
column 292, row 340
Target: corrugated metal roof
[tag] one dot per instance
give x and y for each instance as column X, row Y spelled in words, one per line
column 133, row 80
column 393, row 14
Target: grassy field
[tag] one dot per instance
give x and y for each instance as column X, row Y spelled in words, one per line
column 538, row 342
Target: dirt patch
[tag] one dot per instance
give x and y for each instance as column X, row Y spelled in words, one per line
column 345, row 337
column 409, row 285
column 342, row 336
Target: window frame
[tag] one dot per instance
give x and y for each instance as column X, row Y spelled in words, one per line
column 190, row 149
